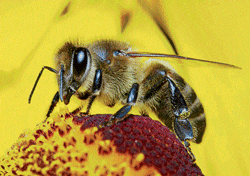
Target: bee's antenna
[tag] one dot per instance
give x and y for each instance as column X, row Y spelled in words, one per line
column 61, row 82
column 37, row 79
column 135, row 54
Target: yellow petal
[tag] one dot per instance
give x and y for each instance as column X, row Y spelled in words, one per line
column 31, row 33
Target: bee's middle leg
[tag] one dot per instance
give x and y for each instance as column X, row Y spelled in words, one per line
column 120, row 115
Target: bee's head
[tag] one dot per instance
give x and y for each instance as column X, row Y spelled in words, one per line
column 74, row 64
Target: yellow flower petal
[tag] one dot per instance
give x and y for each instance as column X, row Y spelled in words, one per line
column 31, row 33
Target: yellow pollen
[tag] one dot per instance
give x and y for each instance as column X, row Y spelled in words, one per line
column 118, row 170
column 105, row 147
column 137, row 160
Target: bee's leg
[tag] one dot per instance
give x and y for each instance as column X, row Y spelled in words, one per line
column 91, row 100
column 182, row 126
column 184, row 131
column 97, row 83
column 82, row 96
column 179, row 105
column 91, row 95
column 121, row 114
column 38, row 78
column 53, row 105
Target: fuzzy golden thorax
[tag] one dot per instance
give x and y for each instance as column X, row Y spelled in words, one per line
column 118, row 72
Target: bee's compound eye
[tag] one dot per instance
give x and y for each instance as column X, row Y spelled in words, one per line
column 80, row 60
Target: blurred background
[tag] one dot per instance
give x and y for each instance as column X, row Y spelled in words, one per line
column 33, row 31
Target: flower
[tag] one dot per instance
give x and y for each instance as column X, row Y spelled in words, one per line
column 77, row 145
column 32, row 32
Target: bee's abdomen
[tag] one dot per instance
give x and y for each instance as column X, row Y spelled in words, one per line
column 156, row 95
column 195, row 108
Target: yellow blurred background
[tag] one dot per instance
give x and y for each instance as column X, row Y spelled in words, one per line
column 32, row 32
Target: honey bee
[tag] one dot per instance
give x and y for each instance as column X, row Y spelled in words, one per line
column 108, row 70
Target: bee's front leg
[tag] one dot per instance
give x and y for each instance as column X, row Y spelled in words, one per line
column 53, row 105
column 96, row 87
column 182, row 126
column 121, row 114
column 82, row 96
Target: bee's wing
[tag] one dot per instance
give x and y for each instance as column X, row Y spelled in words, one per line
column 139, row 54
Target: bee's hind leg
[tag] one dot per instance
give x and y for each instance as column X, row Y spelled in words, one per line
column 182, row 126
column 184, row 131
column 121, row 114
